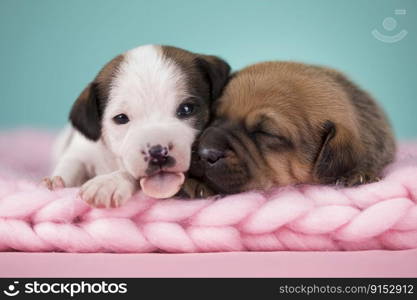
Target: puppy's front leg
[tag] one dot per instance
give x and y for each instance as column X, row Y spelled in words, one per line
column 68, row 173
column 109, row 190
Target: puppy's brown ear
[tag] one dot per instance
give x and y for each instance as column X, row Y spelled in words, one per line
column 217, row 72
column 339, row 153
column 85, row 114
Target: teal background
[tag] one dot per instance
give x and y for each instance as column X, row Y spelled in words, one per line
column 50, row 49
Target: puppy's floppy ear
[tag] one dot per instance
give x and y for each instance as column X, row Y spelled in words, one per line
column 338, row 155
column 85, row 114
column 216, row 71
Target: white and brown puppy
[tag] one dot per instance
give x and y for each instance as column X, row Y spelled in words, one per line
column 135, row 123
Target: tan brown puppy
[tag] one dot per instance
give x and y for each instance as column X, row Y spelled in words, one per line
column 280, row 123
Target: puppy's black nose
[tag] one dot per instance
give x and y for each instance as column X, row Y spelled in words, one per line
column 211, row 156
column 158, row 155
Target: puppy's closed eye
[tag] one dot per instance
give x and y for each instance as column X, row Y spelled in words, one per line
column 264, row 135
column 273, row 141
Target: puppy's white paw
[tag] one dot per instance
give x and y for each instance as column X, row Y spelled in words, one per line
column 53, row 183
column 110, row 190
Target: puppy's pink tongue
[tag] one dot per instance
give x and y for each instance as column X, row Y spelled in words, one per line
column 162, row 185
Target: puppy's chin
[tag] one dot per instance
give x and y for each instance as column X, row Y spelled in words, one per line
column 225, row 180
column 226, row 185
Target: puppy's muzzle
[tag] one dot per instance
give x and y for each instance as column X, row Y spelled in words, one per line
column 211, row 156
column 158, row 155
column 158, row 158
column 213, row 146
column 218, row 162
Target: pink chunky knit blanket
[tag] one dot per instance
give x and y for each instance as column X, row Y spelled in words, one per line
column 381, row 215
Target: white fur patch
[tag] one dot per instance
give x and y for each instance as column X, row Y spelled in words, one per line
column 148, row 88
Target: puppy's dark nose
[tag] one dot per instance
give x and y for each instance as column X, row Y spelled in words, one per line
column 158, row 155
column 211, row 155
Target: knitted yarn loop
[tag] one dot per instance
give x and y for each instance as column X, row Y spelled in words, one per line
column 381, row 215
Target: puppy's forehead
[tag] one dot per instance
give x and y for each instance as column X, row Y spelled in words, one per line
column 147, row 78
column 241, row 105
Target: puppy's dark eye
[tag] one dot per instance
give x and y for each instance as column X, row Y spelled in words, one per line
column 185, row 110
column 121, row 119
